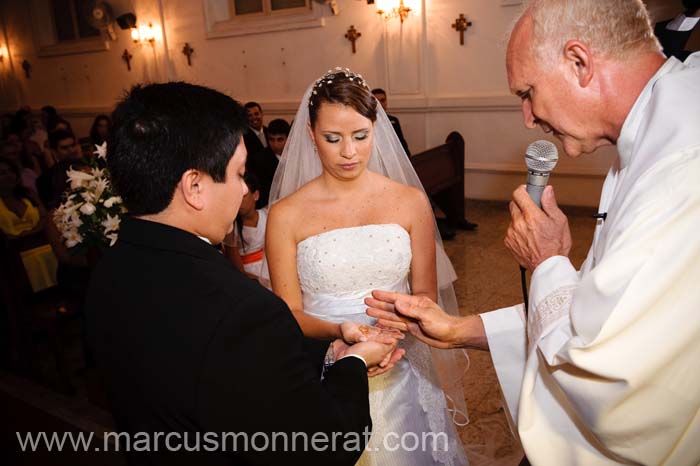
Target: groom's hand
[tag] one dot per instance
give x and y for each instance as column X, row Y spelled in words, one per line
column 417, row 315
column 388, row 363
column 379, row 352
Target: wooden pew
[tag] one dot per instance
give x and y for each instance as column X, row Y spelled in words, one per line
column 24, row 316
column 441, row 170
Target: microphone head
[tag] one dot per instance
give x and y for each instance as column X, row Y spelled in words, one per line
column 541, row 157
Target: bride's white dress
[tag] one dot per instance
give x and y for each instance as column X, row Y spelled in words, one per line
column 337, row 270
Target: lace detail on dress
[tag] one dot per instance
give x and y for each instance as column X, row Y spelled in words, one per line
column 350, row 259
column 546, row 312
column 431, row 398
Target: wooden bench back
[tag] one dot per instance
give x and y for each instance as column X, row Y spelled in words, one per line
column 441, row 170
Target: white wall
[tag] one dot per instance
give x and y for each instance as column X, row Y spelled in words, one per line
column 435, row 85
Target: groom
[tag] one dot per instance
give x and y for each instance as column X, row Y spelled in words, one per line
column 202, row 364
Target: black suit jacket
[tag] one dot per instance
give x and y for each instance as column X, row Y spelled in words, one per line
column 188, row 344
column 399, row 132
column 263, row 164
column 252, row 143
column 673, row 42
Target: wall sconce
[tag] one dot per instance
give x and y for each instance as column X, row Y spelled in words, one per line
column 144, row 34
column 388, row 9
column 3, row 53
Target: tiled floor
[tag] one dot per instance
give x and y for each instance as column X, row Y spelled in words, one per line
column 489, row 278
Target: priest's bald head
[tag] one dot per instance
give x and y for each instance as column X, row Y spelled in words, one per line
column 579, row 67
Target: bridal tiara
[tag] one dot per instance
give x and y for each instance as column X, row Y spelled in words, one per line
column 336, row 73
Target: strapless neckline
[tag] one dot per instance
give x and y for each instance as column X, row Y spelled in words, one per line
column 357, row 227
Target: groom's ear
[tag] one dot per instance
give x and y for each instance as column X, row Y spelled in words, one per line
column 191, row 186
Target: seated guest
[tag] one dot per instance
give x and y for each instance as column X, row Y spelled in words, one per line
column 380, row 94
column 256, row 135
column 186, row 343
column 447, row 232
column 13, row 151
column 32, row 136
column 245, row 244
column 100, row 129
column 52, row 183
column 264, row 163
column 5, row 124
column 49, row 118
column 22, row 215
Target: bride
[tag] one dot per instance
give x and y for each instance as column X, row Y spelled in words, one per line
column 349, row 216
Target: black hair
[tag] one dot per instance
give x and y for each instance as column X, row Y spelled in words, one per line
column 253, row 105
column 59, row 135
column 50, row 110
column 691, row 5
column 159, row 131
column 253, row 185
column 51, row 117
column 378, row 90
column 95, row 137
column 53, row 124
column 338, row 88
column 278, row 126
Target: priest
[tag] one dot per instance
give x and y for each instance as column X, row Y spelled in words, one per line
column 603, row 368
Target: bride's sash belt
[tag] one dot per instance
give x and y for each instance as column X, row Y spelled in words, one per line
column 346, row 306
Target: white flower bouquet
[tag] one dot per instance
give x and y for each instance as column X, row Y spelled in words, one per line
column 91, row 212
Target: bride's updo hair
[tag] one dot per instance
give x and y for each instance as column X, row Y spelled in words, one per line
column 342, row 86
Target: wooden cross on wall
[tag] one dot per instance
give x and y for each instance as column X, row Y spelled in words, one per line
column 352, row 35
column 461, row 24
column 27, row 67
column 126, row 56
column 188, row 51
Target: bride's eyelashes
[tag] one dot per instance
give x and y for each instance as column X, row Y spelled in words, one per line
column 358, row 137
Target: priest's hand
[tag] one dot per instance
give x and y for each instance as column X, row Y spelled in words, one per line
column 418, row 315
column 535, row 234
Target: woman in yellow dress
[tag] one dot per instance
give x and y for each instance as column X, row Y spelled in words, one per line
column 22, row 215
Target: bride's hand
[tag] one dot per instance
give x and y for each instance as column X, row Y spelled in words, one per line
column 355, row 332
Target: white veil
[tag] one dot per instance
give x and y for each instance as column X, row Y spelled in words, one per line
column 300, row 164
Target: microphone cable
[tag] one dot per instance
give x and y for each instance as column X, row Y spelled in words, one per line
column 523, row 283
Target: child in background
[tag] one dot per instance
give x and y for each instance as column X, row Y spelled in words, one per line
column 244, row 246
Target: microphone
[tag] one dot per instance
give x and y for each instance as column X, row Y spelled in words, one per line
column 541, row 158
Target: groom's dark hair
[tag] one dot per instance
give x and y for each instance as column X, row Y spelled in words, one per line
column 162, row 130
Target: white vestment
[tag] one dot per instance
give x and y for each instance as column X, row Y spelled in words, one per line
column 608, row 370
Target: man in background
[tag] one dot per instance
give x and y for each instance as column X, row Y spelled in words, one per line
column 256, row 136
column 680, row 36
column 380, row 95
column 264, row 163
column 54, row 181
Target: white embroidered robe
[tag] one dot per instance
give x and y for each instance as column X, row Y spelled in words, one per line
column 608, row 371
